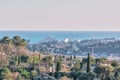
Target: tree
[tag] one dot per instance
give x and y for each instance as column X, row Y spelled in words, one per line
column 7, row 49
column 58, row 68
column 24, row 58
column 24, row 73
column 115, row 64
column 74, row 57
column 73, row 75
column 99, row 70
column 92, row 60
column 23, row 42
column 3, row 60
column 19, row 77
column 71, row 58
column 21, row 55
column 4, row 72
column 40, row 56
column 48, row 61
column 103, row 60
column 83, row 62
column 16, row 40
column 77, row 65
column 5, row 40
column 116, row 74
column 88, row 63
column 33, row 73
column 103, row 72
column 97, row 61
column 86, row 76
column 35, row 61
column 12, row 64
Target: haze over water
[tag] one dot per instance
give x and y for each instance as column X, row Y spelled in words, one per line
column 37, row 36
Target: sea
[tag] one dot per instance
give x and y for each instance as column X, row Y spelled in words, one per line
column 37, row 36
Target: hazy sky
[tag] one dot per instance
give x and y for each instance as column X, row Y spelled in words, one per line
column 80, row 15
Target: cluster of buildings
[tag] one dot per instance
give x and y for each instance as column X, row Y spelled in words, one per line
column 79, row 47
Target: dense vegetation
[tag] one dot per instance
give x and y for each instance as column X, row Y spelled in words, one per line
column 18, row 63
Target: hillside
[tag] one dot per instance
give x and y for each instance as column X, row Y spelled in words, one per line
column 101, row 46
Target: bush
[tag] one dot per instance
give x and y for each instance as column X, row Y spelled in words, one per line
column 51, row 74
column 33, row 73
column 115, row 64
column 24, row 73
column 4, row 72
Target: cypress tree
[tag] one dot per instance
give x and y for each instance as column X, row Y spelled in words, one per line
column 58, row 68
column 33, row 63
column 74, row 57
column 88, row 63
column 71, row 58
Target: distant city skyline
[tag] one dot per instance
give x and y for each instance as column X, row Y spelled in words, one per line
column 60, row 15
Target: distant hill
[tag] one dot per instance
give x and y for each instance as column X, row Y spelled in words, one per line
column 101, row 46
